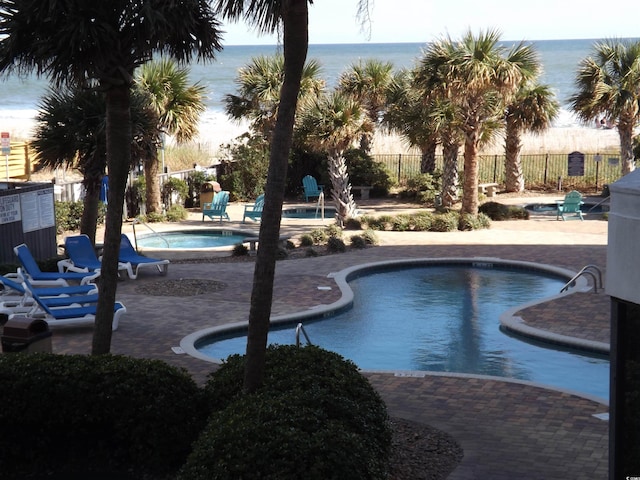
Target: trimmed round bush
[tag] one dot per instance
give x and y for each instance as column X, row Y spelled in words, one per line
column 446, row 222
column 336, row 245
column 306, row 240
column 240, row 250
column 73, row 415
column 473, row 222
column 357, row 241
column 315, row 417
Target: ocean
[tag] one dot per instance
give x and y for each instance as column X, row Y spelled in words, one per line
column 20, row 97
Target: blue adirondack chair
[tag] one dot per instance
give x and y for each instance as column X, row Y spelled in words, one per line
column 311, row 188
column 254, row 212
column 571, row 205
column 217, row 207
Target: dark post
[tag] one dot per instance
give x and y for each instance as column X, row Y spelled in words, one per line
column 623, row 278
column 495, row 168
column 546, row 168
column 399, row 164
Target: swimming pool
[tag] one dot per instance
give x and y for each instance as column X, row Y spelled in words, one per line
column 197, row 239
column 443, row 318
column 308, row 213
column 552, row 208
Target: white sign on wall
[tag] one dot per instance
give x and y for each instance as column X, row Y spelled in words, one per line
column 10, row 209
column 37, row 210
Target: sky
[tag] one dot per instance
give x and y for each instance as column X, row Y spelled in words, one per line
column 421, row 21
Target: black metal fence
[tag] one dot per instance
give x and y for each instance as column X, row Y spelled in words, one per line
column 540, row 170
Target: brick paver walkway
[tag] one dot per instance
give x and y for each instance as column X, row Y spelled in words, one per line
column 508, row 430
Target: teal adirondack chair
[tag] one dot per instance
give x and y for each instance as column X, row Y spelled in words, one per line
column 571, row 205
column 254, row 212
column 311, row 188
column 217, row 207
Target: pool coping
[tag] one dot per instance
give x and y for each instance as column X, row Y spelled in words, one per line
column 508, row 319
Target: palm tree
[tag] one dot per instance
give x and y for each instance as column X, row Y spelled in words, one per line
column 177, row 106
column 259, row 85
column 369, row 83
column 77, row 41
column 268, row 16
column 608, row 86
column 478, row 75
column 408, row 114
column 532, row 109
column 333, row 123
column 70, row 130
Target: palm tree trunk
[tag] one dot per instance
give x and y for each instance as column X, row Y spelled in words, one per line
column 514, row 177
column 449, row 192
column 625, row 132
column 118, row 161
column 89, row 220
column 428, row 157
column 341, row 188
column 296, row 40
column 470, row 185
column 152, row 185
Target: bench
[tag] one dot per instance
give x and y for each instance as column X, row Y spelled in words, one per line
column 252, row 241
column 488, row 189
column 364, row 191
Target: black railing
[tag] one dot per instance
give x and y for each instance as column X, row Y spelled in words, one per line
column 540, row 170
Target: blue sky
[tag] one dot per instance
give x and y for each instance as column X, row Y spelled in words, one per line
column 334, row 21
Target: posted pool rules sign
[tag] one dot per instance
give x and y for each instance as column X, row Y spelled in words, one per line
column 5, row 141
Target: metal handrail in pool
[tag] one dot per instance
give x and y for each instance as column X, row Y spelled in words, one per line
column 586, row 270
column 300, row 328
column 135, row 238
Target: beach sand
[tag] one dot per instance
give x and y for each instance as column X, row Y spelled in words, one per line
column 216, row 129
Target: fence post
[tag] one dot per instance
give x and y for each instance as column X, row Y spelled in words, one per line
column 399, row 163
column 546, row 168
column 597, row 171
column 495, row 168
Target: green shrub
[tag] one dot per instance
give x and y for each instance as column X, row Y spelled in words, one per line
column 153, row 217
column 383, row 222
column 336, row 245
column 333, row 231
column 446, row 222
column 473, row 222
column 244, row 168
column 364, row 170
column 369, row 237
column 421, row 188
column 240, row 250
column 402, row 222
column 315, row 417
column 498, row 212
column 422, row 221
column 69, row 214
column 310, row 252
column 357, row 241
column 176, row 213
column 352, row 223
column 174, row 186
column 86, row 415
column 306, row 240
column 319, row 235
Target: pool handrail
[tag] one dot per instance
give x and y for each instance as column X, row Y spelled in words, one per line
column 586, row 270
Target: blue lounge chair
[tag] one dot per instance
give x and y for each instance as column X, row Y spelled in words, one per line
column 38, row 277
column 254, row 212
column 217, row 207
column 82, row 256
column 311, row 188
column 134, row 261
column 14, row 297
column 76, row 314
column 571, row 205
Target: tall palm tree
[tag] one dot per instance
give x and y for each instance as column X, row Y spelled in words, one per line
column 532, row 109
column 408, row 114
column 75, row 41
column 268, row 16
column 368, row 81
column 259, row 85
column 333, row 123
column 177, row 106
column 70, row 131
column 608, row 85
column 479, row 75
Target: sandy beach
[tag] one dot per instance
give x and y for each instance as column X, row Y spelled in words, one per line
column 216, row 129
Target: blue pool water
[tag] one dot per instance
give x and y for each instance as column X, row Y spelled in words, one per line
column 445, row 319
column 191, row 239
column 308, row 212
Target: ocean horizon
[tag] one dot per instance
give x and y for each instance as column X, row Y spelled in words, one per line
column 20, row 97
